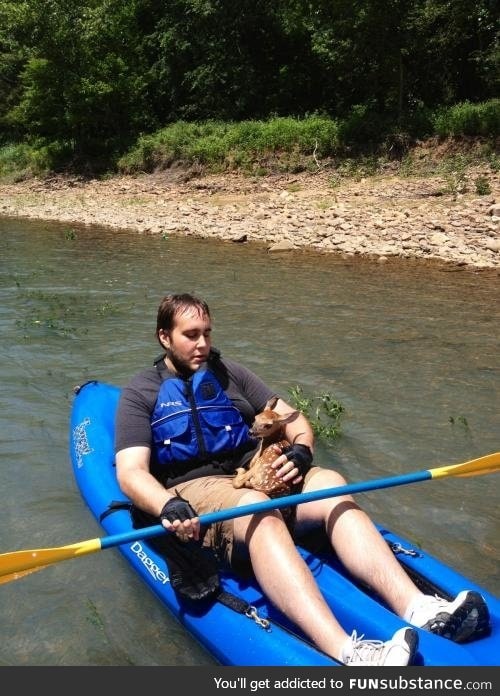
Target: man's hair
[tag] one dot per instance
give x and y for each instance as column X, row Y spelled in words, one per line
column 173, row 305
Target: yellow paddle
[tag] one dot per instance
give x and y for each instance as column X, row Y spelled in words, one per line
column 17, row 564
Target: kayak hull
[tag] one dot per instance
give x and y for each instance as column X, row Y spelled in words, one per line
column 235, row 638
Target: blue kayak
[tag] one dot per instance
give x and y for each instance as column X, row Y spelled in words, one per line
column 244, row 629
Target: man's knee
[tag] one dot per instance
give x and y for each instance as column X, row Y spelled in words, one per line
column 319, row 477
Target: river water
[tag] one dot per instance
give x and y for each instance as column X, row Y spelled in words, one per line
column 411, row 352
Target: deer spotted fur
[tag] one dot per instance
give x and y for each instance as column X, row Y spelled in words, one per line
column 259, row 475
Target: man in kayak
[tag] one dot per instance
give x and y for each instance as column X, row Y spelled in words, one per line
column 181, row 433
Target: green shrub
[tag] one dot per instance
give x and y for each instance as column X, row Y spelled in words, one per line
column 16, row 161
column 364, row 126
column 481, row 119
column 321, row 135
column 482, row 185
column 21, row 160
column 216, row 144
column 323, row 411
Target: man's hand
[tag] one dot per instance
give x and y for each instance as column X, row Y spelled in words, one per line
column 294, row 463
column 178, row 516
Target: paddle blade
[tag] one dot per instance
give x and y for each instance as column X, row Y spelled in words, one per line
column 4, row 579
column 488, row 464
column 17, row 564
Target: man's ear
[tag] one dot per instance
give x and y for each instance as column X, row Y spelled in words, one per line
column 164, row 338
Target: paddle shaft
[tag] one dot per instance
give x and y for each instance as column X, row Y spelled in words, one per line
column 475, row 467
column 272, row 504
column 19, row 563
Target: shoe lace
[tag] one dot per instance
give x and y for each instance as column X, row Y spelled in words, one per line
column 364, row 650
column 430, row 604
column 437, row 600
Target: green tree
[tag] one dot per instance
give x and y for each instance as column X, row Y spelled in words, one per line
column 13, row 55
column 81, row 90
column 454, row 52
column 229, row 60
column 396, row 55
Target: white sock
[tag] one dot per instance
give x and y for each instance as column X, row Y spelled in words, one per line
column 412, row 606
column 346, row 651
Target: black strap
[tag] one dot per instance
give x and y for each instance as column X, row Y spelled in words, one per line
column 237, row 604
column 161, row 368
column 226, row 598
column 114, row 506
column 233, row 602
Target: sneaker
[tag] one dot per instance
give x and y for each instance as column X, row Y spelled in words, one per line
column 397, row 652
column 464, row 619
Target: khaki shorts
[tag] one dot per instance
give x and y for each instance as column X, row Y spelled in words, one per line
column 211, row 494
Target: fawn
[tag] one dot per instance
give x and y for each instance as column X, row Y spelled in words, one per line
column 268, row 426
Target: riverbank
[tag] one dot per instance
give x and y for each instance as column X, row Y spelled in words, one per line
column 385, row 216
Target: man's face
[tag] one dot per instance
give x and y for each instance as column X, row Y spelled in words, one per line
column 189, row 341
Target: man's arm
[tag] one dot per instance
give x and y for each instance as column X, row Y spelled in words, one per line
column 298, row 432
column 148, row 494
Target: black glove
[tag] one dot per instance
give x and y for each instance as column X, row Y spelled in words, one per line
column 301, row 456
column 192, row 569
column 177, row 508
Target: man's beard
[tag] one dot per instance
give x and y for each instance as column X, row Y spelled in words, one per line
column 181, row 366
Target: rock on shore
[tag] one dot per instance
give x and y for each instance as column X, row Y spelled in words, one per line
column 384, row 216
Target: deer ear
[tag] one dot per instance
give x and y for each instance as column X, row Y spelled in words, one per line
column 271, row 403
column 288, row 417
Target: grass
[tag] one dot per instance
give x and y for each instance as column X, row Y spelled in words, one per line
column 467, row 119
column 61, row 315
column 247, row 145
column 16, row 161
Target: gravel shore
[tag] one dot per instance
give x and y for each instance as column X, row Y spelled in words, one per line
column 384, row 216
